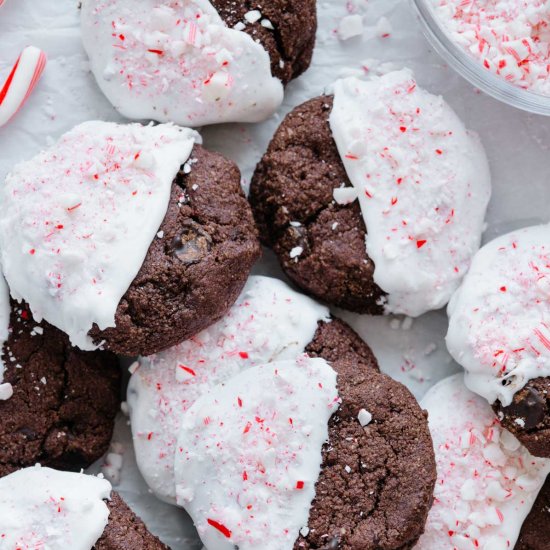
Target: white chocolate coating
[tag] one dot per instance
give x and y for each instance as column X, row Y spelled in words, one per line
column 499, row 319
column 177, row 61
column 487, row 482
column 79, row 219
column 423, row 183
column 41, row 508
column 249, row 454
column 268, row 322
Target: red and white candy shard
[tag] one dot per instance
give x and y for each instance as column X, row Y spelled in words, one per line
column 45, row 508
column 21, row 82
column 249, row 454
column 268, row 322
column 423, row 184
column 79, row 218
column 6, row 390
column 487, row 482
column 510, row 38
column 499, row 319
column 176, row 61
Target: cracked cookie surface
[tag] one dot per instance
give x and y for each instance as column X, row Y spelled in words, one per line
column 376, row 484
column 64, row 401
column 291, row 41
column 292, row 199
column 195, row 271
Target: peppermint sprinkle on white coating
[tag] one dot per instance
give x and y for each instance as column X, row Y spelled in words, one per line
column 80, row 217
column 245, row 468
column 45, row 508
column 364, row 417
column 268, row 322
column 177, row 61
column 499, row 319
column 423, row 185
column 487, row 482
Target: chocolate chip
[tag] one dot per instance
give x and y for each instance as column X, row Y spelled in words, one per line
column 528, row 405
column 192, row 244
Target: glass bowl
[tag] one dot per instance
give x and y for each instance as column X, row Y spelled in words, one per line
column 472, row 69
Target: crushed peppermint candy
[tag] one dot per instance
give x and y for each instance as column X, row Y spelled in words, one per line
column 350, row 26
column 80, row 216
column 345, row 195
column 384, row 28
column 45, row 508
column 252, row 468
column 509, row 38
column 499, row 319
column 6, row 391
column 422, row 181
column 487, row 481
column 253, row 16
column 112, row 464
column 178, row 62
column 364, row 417
column 296, row 252
column 268, row 322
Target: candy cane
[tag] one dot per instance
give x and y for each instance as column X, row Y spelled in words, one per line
column 20, row 83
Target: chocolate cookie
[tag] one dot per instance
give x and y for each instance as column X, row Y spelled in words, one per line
column 192, row 275
column 292, row 200
column 534, row 532
column 337, row 341
column 290, row 43
column 64, row 400
column 125, row 531
column 528, row 416
column 198, row 63
column 374, row 198
column 499, row 334
column 376, row 483
column 364, row 463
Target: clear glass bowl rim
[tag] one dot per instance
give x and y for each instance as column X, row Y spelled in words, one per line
column 472, row 70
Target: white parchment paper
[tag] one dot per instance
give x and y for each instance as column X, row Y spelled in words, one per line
column 517, row 145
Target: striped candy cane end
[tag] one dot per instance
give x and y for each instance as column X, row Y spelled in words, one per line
column 21, row 81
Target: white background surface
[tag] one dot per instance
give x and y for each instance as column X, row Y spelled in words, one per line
column 517, row 145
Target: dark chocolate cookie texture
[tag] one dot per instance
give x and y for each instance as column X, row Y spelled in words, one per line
column 125, row 531
column 64, row 400
column 376, row 483
column 292, row 199
column 534, row 532
column 287, row 32
column 528, row 416
column 193, row 274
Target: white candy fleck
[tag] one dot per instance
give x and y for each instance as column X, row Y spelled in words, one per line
column 253, row 16
column 350, row 26
column 364, row 417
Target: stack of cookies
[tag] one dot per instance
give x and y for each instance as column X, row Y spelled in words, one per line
column 252, row 406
